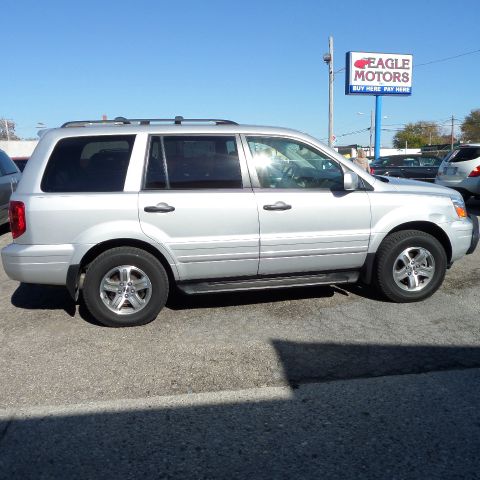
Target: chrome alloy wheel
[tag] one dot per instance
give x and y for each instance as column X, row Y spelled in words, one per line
column 414, row 269
column 125, row 290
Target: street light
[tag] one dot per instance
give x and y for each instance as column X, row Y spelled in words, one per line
column 328, row 59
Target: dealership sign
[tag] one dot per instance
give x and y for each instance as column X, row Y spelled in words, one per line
column 378, row 74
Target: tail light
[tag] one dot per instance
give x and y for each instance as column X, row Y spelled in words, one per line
column 372, row 170
column 16, row 215
column 475, row 172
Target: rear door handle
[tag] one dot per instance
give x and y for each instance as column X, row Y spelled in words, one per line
column 277, row 206
column 160, row 207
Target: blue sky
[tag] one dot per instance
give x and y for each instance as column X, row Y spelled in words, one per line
column 256, row 62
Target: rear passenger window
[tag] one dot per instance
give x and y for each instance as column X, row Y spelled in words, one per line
column 430, row 161
column 195, row 162
column 411, row 162
column 89, row 164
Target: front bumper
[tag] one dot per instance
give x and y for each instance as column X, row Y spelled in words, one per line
column 44, row 264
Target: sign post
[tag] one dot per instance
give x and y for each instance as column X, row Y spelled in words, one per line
column 378, row 125
column 378, row 74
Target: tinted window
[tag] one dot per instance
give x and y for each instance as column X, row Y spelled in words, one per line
column 285, row 163
column 196, row 162
column 430, row 161
column 464, row 154
column 389, row 162
column 7, row 166
column 155, row 177
column 89, row 164
column 21, row 163
column 411, row 162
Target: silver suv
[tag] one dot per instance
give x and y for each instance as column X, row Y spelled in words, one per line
column 125, row 210
column 460, row 170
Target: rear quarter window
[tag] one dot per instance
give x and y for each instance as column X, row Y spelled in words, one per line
column 88, row 164
column 465, row 154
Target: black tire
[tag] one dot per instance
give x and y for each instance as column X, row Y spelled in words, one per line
column 141, row 261
column 387, row 258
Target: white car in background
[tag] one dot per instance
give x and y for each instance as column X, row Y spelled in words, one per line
column 460, row 170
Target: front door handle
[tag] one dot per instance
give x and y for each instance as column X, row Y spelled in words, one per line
column 160, row 207
column 277, row 206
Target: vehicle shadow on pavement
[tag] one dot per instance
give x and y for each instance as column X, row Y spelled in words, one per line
column 402, row 426
column 43, row 297
column 180, row 301
column 46, row 297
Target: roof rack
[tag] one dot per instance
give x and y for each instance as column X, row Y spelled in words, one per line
column 147, row 121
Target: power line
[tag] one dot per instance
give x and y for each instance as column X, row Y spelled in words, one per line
column 353, row 133
column 432, row 61
column 447, row 58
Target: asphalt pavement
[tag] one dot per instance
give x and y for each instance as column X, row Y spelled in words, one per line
column 326, row 382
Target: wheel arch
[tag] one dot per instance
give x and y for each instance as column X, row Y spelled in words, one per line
column 128, row 242
column 75, row 271
column 423, row 226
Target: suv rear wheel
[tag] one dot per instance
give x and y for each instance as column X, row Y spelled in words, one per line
column 410, row 266
column 125, row 287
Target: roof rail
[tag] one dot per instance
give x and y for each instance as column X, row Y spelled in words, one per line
column 178, row 120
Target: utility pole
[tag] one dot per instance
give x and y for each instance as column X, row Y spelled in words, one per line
column 328, row 59
column 451, row 136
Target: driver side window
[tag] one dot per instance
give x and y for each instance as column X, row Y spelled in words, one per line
column 284, row 163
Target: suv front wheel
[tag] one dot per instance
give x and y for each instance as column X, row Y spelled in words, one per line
column 410, row 266
column 125, row 287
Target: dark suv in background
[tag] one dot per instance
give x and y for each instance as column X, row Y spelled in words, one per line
column 9, row 177
column 416, row 166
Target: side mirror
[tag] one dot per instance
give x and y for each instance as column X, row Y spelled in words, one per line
column 350, row 181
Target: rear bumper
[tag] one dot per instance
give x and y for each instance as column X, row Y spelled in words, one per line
column 475, row 234
column 469, row 185
column 45, row 264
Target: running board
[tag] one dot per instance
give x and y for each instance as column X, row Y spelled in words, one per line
column 215, row 286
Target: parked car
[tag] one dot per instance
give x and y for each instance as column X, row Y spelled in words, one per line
column 9, row 177
column 416, row 167
column 125, row 211
column 461, row 170
column 20, row 162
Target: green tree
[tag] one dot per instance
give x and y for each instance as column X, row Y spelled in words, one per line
column 471, row 127
column 7, row 130
column 418, row 134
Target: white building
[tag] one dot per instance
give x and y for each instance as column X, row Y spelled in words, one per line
column 18, row 148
